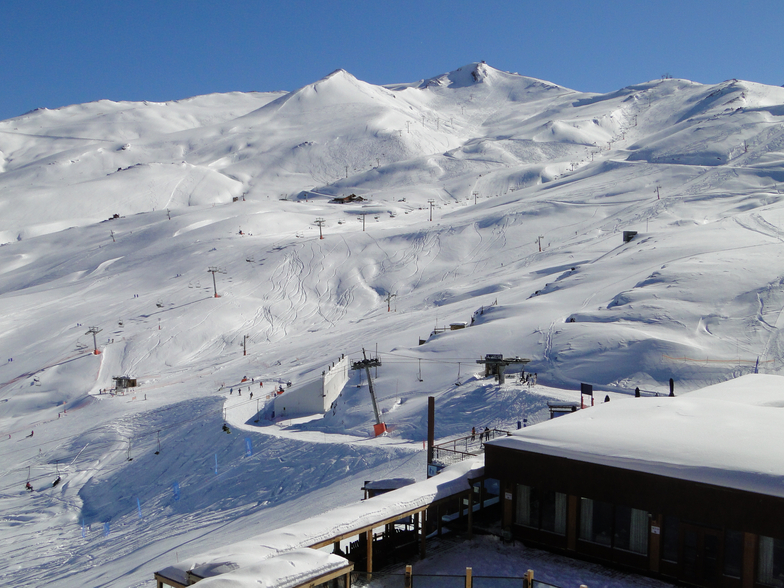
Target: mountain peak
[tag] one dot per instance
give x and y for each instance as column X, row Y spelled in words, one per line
column 462, row 77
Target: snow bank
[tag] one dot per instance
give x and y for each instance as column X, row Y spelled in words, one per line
column 292, row 569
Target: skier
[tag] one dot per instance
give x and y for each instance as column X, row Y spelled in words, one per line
column 31, row 433
column 251, row 394
column 473, row 433
column 29, row 487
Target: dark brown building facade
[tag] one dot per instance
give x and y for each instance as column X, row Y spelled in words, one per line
column 699, row 533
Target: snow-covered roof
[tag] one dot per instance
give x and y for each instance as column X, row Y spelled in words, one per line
column 293, row 568
column 389, row 484
column 728, row 434
column 244, row 555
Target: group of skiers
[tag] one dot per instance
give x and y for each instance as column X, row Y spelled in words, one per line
column 483, row 435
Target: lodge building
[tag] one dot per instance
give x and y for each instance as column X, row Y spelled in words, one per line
column 689, row 488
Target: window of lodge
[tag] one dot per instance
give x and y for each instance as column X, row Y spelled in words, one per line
column 553, row 507
column 631, row 529
column 670, row 539
column 733, row 553
column 596, row 521
column 770, row 563
column 541, row 509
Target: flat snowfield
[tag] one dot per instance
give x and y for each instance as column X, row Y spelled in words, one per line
column 484, row 197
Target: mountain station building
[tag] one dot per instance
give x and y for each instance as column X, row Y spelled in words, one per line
column 689, row 488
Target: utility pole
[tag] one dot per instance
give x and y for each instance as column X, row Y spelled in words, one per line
column 214, row 270
column 320, row 222
column 408, row 127
column 539, row 239
column 347, row 171
column 475, row 195
column 363, row 221
column 657, row 192
column 245, row 345
column 94, row 331
column 389, row 301
column 431, row 202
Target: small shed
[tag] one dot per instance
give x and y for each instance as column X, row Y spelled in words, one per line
column 122, row 382
column 378, row 487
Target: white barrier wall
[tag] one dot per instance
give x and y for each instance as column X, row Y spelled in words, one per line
column 334, row 381
column 314, row 397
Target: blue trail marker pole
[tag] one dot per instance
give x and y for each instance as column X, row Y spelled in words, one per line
column 248, row 447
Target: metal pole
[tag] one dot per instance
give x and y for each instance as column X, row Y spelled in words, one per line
column 431, row 426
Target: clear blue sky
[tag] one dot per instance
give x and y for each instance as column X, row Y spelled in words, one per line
column 55, row 53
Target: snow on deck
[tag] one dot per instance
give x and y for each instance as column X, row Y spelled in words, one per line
column 294, row 568
column 728, row 434
column 244, row 555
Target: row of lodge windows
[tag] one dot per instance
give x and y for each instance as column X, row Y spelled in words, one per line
column 626, row 528
column 618, row 527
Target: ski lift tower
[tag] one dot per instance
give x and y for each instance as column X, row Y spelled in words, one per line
column 215, row 270
column 366, row 364
column 496, row 363
column 94, row 331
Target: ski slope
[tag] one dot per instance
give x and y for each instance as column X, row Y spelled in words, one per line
column 505, row 164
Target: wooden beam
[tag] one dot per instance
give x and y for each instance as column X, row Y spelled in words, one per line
column 507, row 490
column 654, row 546
column 749, row 559
column 369, row 550
column 471, row 512
column 161, row 580
column 423, row 536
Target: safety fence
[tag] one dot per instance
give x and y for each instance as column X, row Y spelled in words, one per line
column 466, row 580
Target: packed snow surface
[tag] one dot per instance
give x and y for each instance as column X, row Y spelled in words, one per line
column 112, row 213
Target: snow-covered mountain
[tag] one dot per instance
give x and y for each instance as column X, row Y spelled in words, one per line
column 505, row 164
